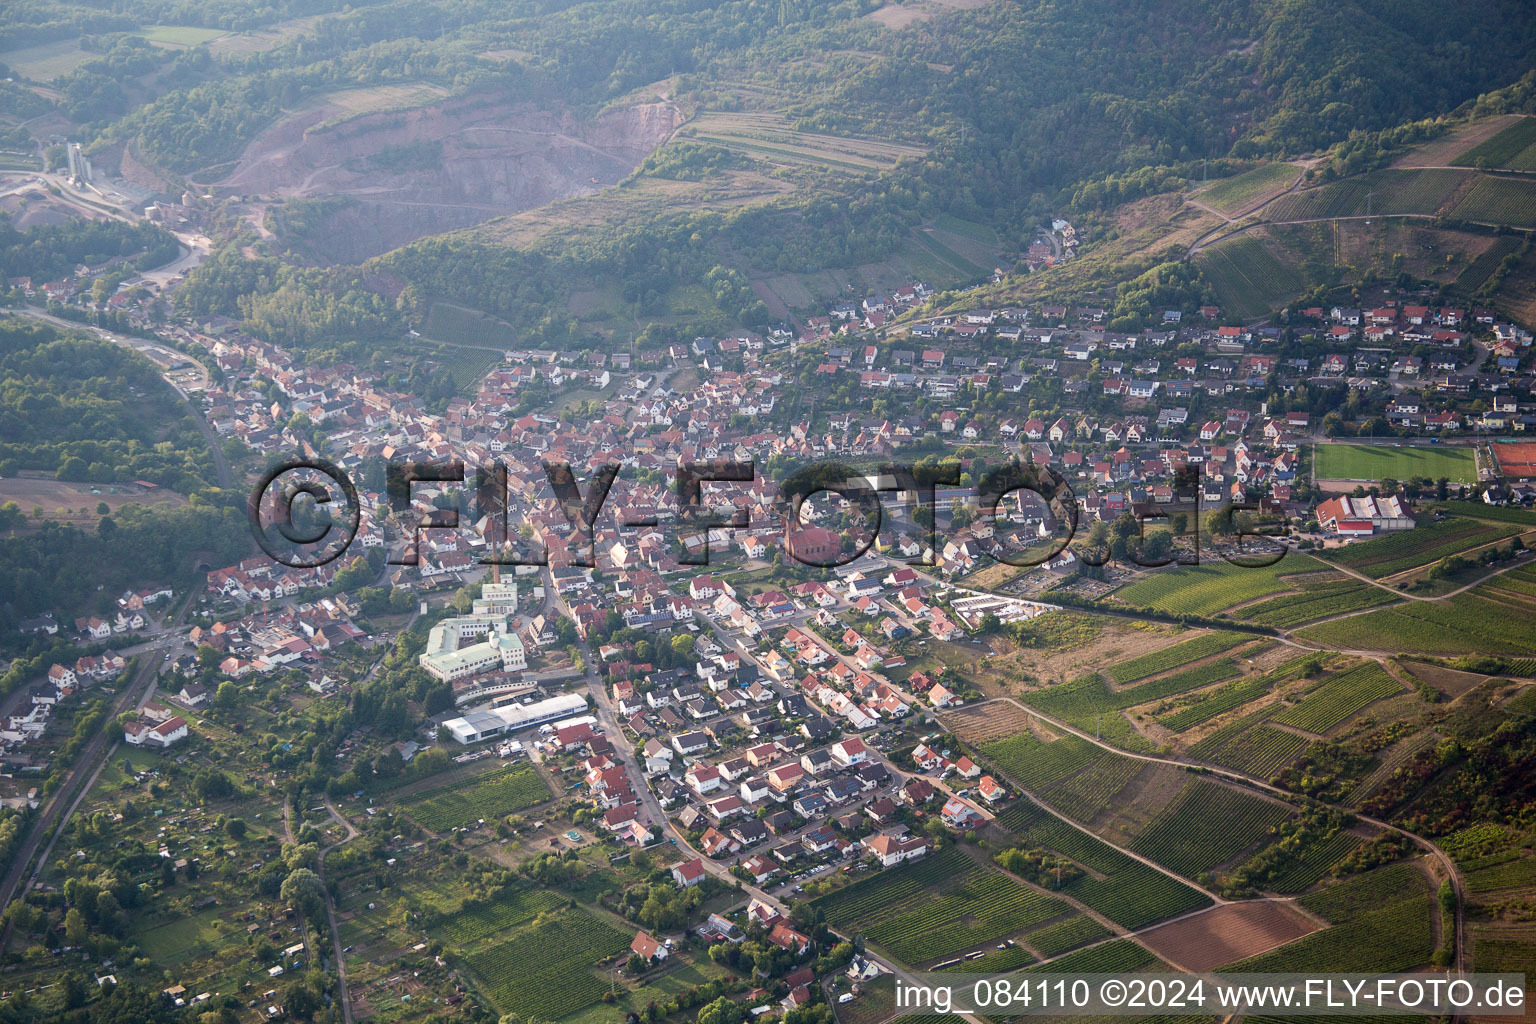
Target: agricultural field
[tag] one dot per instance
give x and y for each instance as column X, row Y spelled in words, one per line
column 1497, row 200
column 1227, row 933
column 1380, row 921
column 1206, row 825
column 1056, row 939
column 1215, row 586
column 1118, row 957
column 1239, row 192
column 1389, row 192
column 544, row 971
column 1339, row 698
column 1420, row 546
column 1121, row 888
column 1177, row 656
column 1188, row 712
column 939, row 906
column 495, row 794
column 1248, row 277
column 1514, row 147
column 1372, row 462
column 459, row 325
column 770, row 138
column 1316, row 601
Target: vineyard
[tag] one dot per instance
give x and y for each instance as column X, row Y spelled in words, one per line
column 771, row 138
column 1390, row 192
column 514, row 906
column 1119, row 957
column 1242, row 190
column 1511, row 870
column 1206, row 825
column 1477, row 273
column 1056, row 939
column 1409, row 549
column 543, row 971
column 1173, row 657
column 1250, row 278
column 1089, row 704
column 1259, row 751
column 1514, row 148
column 943, row 904
column 1495, row 200
column 1339, row 698
column 1213, row 587
column 1129, row 893
column 1035, row 765
column 1466, row 624
column 1381, row 922
column 1315, row 602
column 467, row 365
column 1313, row 864
column 497, row 793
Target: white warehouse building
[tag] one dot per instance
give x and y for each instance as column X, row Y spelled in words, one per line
column 487, row 721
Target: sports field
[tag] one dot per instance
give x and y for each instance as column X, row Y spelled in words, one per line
column 1376, row 462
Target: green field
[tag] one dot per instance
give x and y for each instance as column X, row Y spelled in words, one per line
column 1495, row 200
column 1236, row 193
column 1380, row 192
column 499, row 792
column 1514, row 148
column 769, row 137
column 1248, row 277
column 1088, row 703
column 1214, row 586
column 1372, row 462
column 46, row 61
column 179, row 36
column 1481, row 269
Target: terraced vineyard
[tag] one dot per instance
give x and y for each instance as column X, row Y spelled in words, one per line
column 1422, row 545
column 499, row 792
column 1213, row 587
column 1496, row 200
column 1179, row 654
column 1339, row 698
column 1395, row 192
column 769, row 137
column 543, row 972
column 1126, row 891
column 1206, row 825
column 940, row 905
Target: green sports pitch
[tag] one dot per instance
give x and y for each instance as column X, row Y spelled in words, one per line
column 1378, row 461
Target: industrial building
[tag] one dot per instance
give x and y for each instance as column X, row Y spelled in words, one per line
column 486, row 721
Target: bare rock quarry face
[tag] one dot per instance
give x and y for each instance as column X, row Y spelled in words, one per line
column 448, row 165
